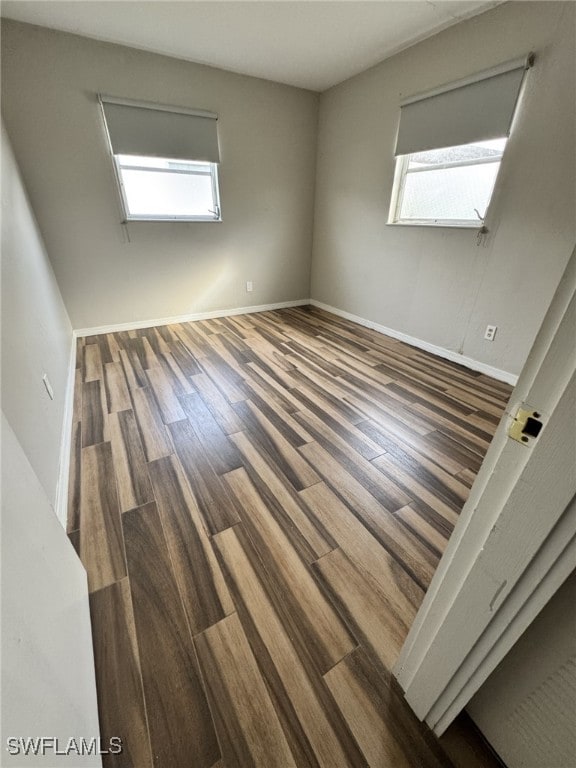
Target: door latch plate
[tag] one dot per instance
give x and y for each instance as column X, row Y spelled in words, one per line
column 526, row 426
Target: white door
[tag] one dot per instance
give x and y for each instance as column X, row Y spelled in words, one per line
column 515, row 542
column 527, row 707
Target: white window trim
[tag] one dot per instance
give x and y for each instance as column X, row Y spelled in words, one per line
column 156, row 217
column 400, row 173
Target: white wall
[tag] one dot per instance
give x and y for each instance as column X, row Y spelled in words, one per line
column 268, row 150
column 436, row 284
column 527, row 707
column 36, row 333
column 48, row 684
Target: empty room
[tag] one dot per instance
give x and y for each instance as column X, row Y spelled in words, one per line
column 288, row 384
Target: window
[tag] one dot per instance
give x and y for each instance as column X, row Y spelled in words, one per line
column 450, row 186
column 449, row 148
column 164, row 189
column 166, row 160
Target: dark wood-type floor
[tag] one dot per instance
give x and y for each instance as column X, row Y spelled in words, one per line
column 260, row 503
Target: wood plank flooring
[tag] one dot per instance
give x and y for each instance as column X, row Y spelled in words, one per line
column 260, row 503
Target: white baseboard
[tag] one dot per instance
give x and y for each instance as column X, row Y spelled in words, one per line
column 79, row 332
column 447, row 354
column 61, row 503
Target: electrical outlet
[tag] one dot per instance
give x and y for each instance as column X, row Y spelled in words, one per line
column 249, row 286
column 490, row 332
column 48, row 386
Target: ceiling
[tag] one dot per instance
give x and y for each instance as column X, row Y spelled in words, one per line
column 311, row 44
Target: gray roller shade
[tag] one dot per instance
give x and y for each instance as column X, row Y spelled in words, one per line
column 460, row 114
column 157, row 131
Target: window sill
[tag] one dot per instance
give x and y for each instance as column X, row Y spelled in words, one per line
column 173, row 219
column 436, row 225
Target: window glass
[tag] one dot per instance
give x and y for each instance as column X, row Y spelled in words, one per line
column 159, row 188
column 460, row 193
column 448, row 185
